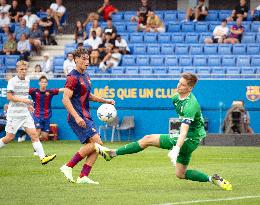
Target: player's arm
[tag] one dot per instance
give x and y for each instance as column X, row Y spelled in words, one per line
column 100, row 100
column 68, row 105
column 61, row 90
column 183, row 133
column 13, row 98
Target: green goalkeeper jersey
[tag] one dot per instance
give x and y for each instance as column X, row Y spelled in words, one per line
column 189, row 112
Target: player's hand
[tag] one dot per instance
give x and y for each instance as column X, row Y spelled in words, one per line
column 173, row 154
column 28, row 101
column 112, row 102
column 80, row 122
column 31, row 108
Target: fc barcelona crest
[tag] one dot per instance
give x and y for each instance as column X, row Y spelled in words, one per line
column 253, row 93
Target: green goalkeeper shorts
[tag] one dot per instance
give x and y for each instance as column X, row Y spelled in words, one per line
column 167, row 141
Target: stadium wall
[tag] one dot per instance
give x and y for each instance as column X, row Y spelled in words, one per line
column 148, row 101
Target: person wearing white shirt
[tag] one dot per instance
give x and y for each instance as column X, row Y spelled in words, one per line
column 219, row 34
column 47, row 65
column 93, row 42
column 69, row 64
column 122, row 45
column 111, row 60
column 58, row 12
column 30, row 18
column 4, row 8
column 4, row 19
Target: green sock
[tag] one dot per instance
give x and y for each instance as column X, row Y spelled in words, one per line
column 130, row 148
column 195, row 175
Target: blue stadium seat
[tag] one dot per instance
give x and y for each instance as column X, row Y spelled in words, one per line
column 255, row 26
column 117, row 16
column 170, row 16
column 139, row 50
column 142, row 61
column 218, row 72
column 190, row 70
column 201, row 27
column 243, row 61
column 2, row 63
column 255, row 61
column 210, row 49
column 203, row 36
column 233, row 72
column 118, row 70
column 160, row 15
column 239, row 49
column 214, row 61
column 167, row 49
column 171, row 61
column 125, row 36
column 177, row 38
column 204, row 72
column 199, row 61
column 181, row 49
column 156, row 61
column 228, row 61
column 212, row 15
column 69, row 48
column 128, row 15
column 131, row 27
column 213, row 25
column 187, row 27
column 185, row 60
column 120, row 27
column 145, row 70
column 248, row 72
column 223, row 14
column 58, row 64
column 196, row 49
column 181, row 15
column 136, row 38
column 252, row 49
column 91, row 70
column 164, row 38
column 131, row 70
column 150, row 38
column 257, row 72
column 191, row 38
column 224, row 49
column 153, row 49
column 159, row 71
column 258, row 38
column 248, row 38
column 174, row 27
column 128, row 60
column 11, row 60
column 174, row 71
column 246, row 25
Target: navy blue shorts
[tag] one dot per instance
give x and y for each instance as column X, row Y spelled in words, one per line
column 83, row 133
column 41, row 123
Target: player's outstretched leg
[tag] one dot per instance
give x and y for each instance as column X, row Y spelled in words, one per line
column 222, row 183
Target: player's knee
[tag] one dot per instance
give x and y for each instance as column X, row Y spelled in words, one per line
column 146, row 140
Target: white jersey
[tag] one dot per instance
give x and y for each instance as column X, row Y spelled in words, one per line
column 19, row 88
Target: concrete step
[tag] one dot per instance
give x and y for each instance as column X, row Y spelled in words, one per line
column 64, row 37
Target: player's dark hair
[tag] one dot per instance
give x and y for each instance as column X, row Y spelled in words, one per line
column 43, row 77
column 79, row 52
column 191, row 78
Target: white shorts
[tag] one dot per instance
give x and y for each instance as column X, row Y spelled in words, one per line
column 13, row 124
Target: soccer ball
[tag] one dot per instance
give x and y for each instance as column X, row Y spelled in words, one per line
column 107, row 113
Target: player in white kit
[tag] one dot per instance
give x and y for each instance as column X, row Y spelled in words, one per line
column 18, row 114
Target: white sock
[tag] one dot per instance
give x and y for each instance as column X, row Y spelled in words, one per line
column 39, row 149
column 210, row 179
column 2, row 144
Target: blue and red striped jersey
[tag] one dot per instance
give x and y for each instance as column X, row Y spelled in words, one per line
column 42, row 101
column 81, row 86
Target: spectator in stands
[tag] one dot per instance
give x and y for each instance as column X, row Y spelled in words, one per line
column 58, row 10
column 107, row 10
column 47, row 23
column 236, row 32
column 111, row 60
column 220, row 33
column 106, row 47
column 80, row 45
column 240, row 11
column 199, row 13
column 36, row 38
column 15, row 12
column 141, row 24
column 10, row 46
column 47, row 64
column 4, row 8
column 93, row 42
column 24, row 48
column 29, row 5
column 4, row 19
column 110, row 29
column 142, row 12
column 154, row 23
column 19, row 30
column 37, row 71
column 69, row 64
column 95, row 27
column 253, row 13
column 30, row 18
column 91, row 18
column 80, row 33
column 122, row 45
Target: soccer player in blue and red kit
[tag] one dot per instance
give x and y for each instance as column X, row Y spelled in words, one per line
column 42, row 98
column 77, row 94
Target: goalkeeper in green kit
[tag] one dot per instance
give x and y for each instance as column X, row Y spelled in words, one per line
column 181, row 145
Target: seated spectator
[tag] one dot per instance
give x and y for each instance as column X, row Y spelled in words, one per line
column 37, row 72
column 91, row 18
column 4, row 19
column 236, row 33
column 219, row 34
column 110, row 29
column 142, row 13
column 69, row 64
column 141, row 24
column 107, row 46
column 4, row 8
column 80, row 45
column 122, row 45
column 30, row 18
column 15, row 12
column 154, row 23
column 47, row 23
column 111, row 60
column 58, row 10
column 6, row 31
column 29, row 5
column 35, row 38
column 93, row 42
column 80, row 33
column 24, row 48
column 47, row 64
column 22, row 28
column 10, row 46
column 199, row 13
column 255, row 17
column 107, row 10
column 95, row 27
column 240, row 11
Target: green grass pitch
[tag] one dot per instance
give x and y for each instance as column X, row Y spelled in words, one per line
column 143, row 178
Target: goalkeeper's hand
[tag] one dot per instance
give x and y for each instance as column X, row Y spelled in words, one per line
column 173, row 154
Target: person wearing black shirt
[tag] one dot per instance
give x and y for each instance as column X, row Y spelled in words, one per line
column 199, row 13
column 110, row 29
column 15, row 12
column 240, row 10
column 142, row 12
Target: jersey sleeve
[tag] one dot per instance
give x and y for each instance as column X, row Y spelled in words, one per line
column 31, row 91
column 10, row 86
column 55, row 91
column 189, row 113
column 71, row 82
